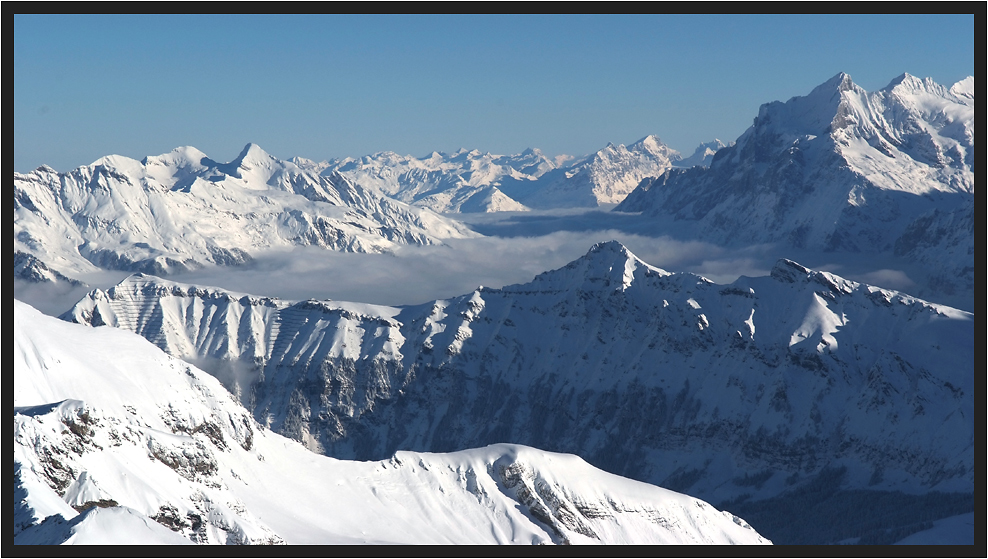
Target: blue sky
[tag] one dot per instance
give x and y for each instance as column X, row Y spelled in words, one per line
column 335, row 86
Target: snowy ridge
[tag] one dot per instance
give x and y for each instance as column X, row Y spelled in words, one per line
column 115, row 442
column 751, row 388
column 181, row 210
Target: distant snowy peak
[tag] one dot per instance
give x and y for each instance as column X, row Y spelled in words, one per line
column 182, row 210
column 464, row 181
column 703, row 155
column 601, row 178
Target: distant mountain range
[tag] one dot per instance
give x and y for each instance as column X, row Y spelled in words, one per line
column 182, row 210
column 471, row 181
column 750, row 391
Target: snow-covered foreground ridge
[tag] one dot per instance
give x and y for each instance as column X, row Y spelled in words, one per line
column 153, row 450
column 182, row 210
column 748, row 389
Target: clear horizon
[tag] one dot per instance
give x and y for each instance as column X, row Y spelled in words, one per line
column 324, row 87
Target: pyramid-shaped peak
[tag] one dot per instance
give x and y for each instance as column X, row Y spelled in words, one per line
column 649, row 141
column 252, row 152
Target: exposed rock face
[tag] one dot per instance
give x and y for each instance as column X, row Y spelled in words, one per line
column 751, row 388
column 181, row 210
column 842, row 170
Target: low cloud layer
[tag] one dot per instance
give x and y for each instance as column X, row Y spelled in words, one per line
column 419, row 274
column 518, row 247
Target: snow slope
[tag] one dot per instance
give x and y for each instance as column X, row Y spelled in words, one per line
column 181, row 210
column 107, row 424
column 842, row 170
column 747, row 389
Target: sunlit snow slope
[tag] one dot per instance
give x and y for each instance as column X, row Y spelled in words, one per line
column 116, row 442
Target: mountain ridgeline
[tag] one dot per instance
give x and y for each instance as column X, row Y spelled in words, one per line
column 842, row 170
column 747, row 391
column 181, row 210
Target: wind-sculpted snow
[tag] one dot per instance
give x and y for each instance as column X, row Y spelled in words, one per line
column 746, row 390
column 841, row 170
column 181, row 210
column 117, row 443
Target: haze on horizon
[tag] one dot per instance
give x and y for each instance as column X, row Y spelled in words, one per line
column 338, row 86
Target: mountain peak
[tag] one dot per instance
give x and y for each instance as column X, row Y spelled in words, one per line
column 251, row 153
column 839, row 83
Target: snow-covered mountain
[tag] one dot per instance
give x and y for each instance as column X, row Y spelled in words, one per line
column 602, row 178
column 116, row 442
column 703, row 155
column 471, row 181
column 181, row 210
column 842, row 170
column 465, row 181
column 751, row 390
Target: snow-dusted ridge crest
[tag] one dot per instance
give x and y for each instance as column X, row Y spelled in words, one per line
column 116, row 442
column 182, row 210
column 746, row 390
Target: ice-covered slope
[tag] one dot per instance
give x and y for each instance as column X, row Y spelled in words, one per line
column 747, row 390
column 181, row 210
column 114, row 442
column 842, row 170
